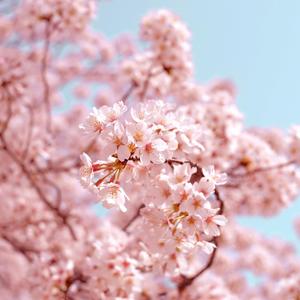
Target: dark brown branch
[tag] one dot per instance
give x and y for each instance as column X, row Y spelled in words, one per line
column 77, row 277
column 187, row 281
column 44, row 67
column 146, row 83
column 61, row 216
column 262, row 169
column 145, row 87
column 18, row 247
column 133, row 218
column 29, row 133
column 56, row 168
column 8, row 118
column 129, row 92
column 221, row 202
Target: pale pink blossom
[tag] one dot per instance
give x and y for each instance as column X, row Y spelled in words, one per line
column 182, row 173
column 162, row 234
column 211, row 221
column 211, row 175
column 207, row 247
column 117, row 141
column 153, row 151
column 86, row 171
column 139, row 133
column 112, row 195
column 113, row 113
column 204, row 186
column 95, row 122
column 196, row 203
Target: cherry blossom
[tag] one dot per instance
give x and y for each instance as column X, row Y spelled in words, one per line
column 168, row 163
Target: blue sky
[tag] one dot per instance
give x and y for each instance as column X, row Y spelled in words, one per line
column 254, row 43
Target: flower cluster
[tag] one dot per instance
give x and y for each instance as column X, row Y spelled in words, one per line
column 269, row 180
column 66, row 17
column 166, row 66
column 160, row 163
column 149, row 134
column 13, row 79
column 180, row 216
column 169, row 38
column 178, row 210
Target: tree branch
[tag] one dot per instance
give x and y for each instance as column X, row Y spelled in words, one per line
column 134, row 217
column 263, row 169
column 44, row 67
column 29, row 133
column 61, row 216
column 18, row 247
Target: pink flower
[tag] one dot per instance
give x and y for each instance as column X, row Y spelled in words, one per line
column 182, row 173
column 140, row 114
column 191, row 224
column 188, row 145
column 153, row 152
column 138, row 133
column 207, row 247
column 170, row 138
column 95, row 122
column 196, row 203
column 112, row 195
column 204, row 186
column 162, row 193
column 86, row 171
column 154, row 216
column 211, row 175
column 117, row 141
column 68, row 17
column 100, row 118
column 115, row 112
column 211, row 221
column 184, row 192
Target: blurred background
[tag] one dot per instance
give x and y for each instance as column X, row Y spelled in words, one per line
column 256, row 44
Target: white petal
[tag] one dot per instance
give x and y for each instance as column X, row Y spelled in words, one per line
column 145, row 159
column 213, row 229
column 220, row 220
column 207, row 247
column 159, row 145
column 208, row 171
column 221, row 179
column 86, row 159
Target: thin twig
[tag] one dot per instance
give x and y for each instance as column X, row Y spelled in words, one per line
column 25, row 251
column 29, row 133
column 127, row 94
column 44, row 68
column 187, row 281
column 146, row 84
column 36, row 187
column 134, row 217
column 263, row 169
column 8, row 118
